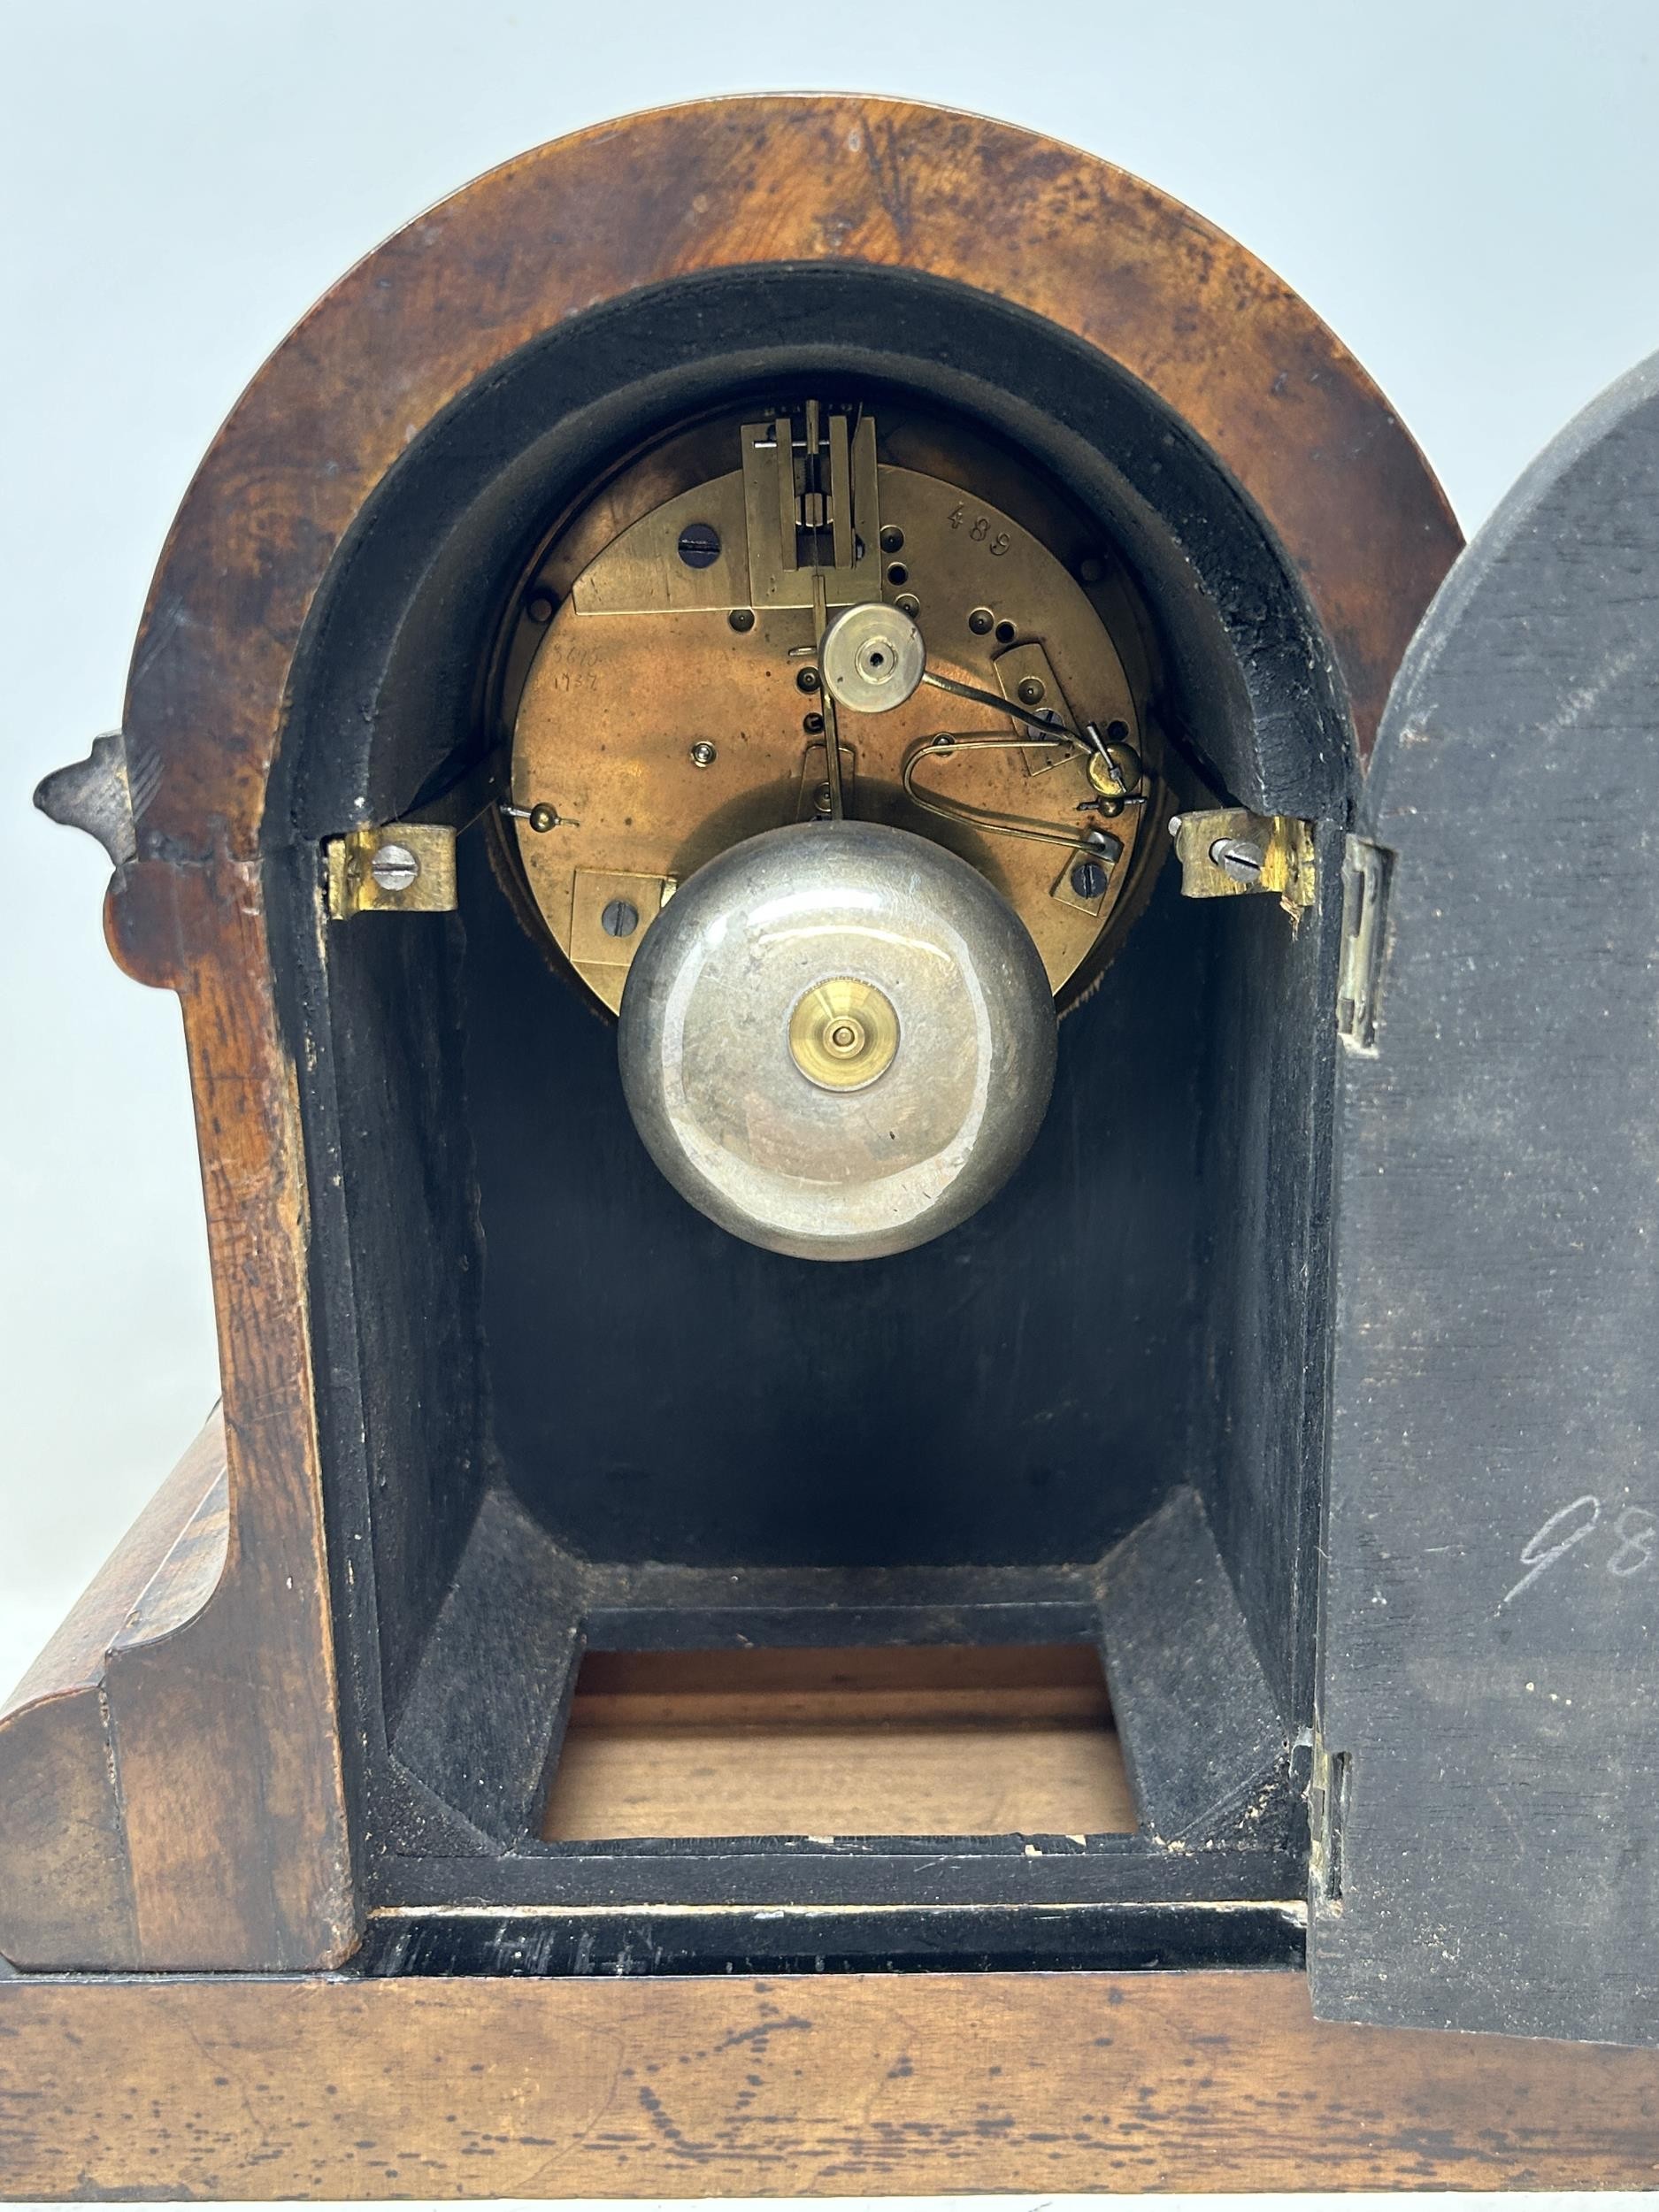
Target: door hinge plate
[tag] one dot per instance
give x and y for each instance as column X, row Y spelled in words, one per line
column 1359, row 971
column 402, row 867
column 1227, row 852
column 1327, row 1807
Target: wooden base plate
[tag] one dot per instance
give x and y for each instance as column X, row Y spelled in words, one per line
column 831, row 2085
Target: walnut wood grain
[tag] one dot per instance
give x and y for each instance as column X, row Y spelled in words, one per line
column 61, row 1843
column 159, row 1575
column 724, row 184
column 834, row 2086
column 232, row 1788
column 952, row 1739
column 201, row 1751
column 894, row 1780
column 970, row 1685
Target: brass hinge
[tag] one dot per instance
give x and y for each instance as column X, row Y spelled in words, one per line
column 1227, row 852
column 402, row 867
column 1365, row 891
column 1328, row 1810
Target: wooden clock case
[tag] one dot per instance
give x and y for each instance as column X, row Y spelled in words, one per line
column 494, row 1398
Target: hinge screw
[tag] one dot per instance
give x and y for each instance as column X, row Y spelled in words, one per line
column 395, row 868
column 1237, row 858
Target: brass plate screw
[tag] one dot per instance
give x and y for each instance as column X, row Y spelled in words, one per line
column 395, row 868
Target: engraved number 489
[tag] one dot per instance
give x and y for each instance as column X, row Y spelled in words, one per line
column 980, row 530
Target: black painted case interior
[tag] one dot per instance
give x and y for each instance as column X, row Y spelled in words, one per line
column 560, row 1409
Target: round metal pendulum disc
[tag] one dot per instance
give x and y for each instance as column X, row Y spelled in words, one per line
column 837, row 1041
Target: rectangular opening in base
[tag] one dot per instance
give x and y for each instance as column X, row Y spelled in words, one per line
column 942, row 1740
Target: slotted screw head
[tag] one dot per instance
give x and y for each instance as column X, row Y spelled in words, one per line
column 1237, row 858
column 394, row 867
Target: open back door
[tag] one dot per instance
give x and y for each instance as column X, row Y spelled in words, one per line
column 1486, row 1767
